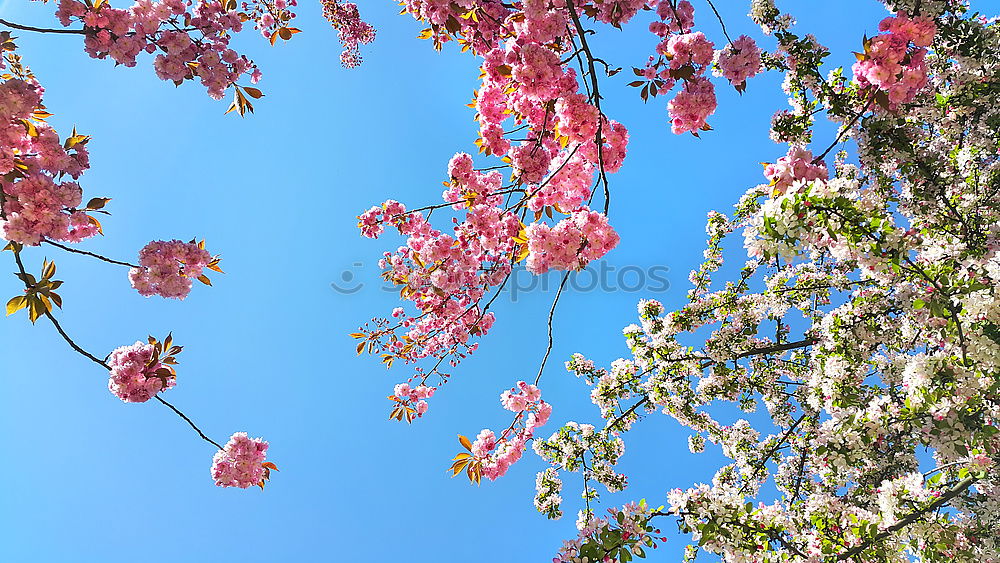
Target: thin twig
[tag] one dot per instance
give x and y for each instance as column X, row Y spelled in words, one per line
column 845, row 129
column 188, row 420
column 722, row 23
column 628, row 412
column 552, row 311
column 91, row 254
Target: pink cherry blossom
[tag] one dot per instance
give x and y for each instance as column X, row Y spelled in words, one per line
column 240, row 462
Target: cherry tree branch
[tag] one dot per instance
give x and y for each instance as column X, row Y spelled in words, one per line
column 552, row 312
column 91, row 254
column 79, row 349
column 188, row 420
column 43, row 29
column 599, row 140
column 722, row 23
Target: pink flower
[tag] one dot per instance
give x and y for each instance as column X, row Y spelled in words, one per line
column 740, row 60
column 690, row 109
column 167, row 268
column 794, row 167
column 241, row 462
column 133, row 378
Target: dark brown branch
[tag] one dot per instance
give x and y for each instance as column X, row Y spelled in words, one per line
column 91, row 254
column 188, row 420
column 602, row 177
column 74, row 345
column 552, row 312
column 777, row 348
column 43, row 29
column 951, row 493
column 847, row 127
column 722, row 23
column 628, row 412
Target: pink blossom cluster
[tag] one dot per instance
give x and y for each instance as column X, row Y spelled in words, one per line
column 676, row 17
column 446, row 274
column 192, row 38
column 269, row 16
column 351, row 29
column 496, row 455
column 240, row 462
column 522, row 81
column 618, row 12
column 740, row 60
column 685, row 56
column 482, row 32
column 414, row 396
column 690, row 55
column 133, row 378
column 688, row 49
column 32, row 159
column 568, row 186
column 468, row 186
column 563, row 143
column 372, row 222
column 894, row 61
column 167, row 268
column 573, row 243
column 691, row 107
column 543, row 20
column 794, row 167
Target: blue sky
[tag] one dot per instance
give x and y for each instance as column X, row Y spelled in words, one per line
column 88, row 478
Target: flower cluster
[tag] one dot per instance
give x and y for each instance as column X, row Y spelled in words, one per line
column 414, row 397
column 625, row 533
column 492, row 456
column 739, row 60
column 167, row 268
column 691, row 107
column 685, row 55
column 580, row 447
column 547, row 488
column 36, row 204
column 571, row 244
column 271, row 16
column 241, row 462
column 137, row 373
column 796, row 166
column 351, row 29
column 894, row 62
column 192, row 38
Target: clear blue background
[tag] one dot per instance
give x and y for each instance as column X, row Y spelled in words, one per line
column 88, row 478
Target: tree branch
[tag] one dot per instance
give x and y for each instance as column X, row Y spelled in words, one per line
column 951, row 493
column 602, row 177
column 91, row 254
column 552, row 311
column 43, row 29
column 188, row 420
